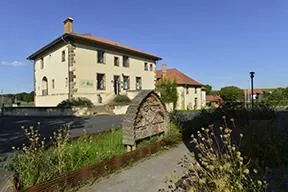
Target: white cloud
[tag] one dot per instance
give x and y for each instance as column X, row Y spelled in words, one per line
column 13, row 63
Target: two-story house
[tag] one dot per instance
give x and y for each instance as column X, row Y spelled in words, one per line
column 191, row 93
column 82, row 65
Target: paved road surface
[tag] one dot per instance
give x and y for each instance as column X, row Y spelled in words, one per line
column 145, row 176
column 11, row 133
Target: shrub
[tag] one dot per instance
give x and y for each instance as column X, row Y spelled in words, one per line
column 121, row 99
column 219, row 165
column 76, row 102
column 168, row 91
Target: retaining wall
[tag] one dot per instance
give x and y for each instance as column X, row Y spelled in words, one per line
column 36, row 111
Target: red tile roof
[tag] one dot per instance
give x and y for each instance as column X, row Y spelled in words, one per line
column 69, row 36
column 213, row 98
column 181, row 78
column 255, row 91
column 109, row 42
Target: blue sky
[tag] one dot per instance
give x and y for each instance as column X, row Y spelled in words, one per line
column 214, row 42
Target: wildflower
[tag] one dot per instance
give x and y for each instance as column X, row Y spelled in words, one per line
column 246, row 171
column 259, row 182
column 238, row 153
column 241, row 135
column 255, row 171
column 211, row 168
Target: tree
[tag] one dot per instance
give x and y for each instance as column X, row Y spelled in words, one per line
column 168, row 91
column 26, row 97
column 276, row 95
column 231, row 93
column 208, row 89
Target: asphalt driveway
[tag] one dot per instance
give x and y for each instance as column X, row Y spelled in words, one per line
column 11, row 133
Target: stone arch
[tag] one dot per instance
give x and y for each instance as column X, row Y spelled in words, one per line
column 146, row 116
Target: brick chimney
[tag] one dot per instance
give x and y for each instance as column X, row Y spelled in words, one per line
column 164, row 70
column 68, row 25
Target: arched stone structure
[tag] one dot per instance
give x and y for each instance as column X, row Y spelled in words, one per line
column 146, row 116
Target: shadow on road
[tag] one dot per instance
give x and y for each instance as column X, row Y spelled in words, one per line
column 12, row 135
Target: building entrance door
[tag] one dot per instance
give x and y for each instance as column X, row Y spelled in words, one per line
column 116, row 85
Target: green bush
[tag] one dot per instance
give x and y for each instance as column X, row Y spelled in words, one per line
column 121, row 99
column 76, row 102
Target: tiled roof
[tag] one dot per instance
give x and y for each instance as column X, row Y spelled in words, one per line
column 98, row 40
column 181, row 78
column 213, row 98
column 109, row 42
column 255, row 91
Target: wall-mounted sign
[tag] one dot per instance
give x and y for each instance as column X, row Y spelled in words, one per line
column 86, row 83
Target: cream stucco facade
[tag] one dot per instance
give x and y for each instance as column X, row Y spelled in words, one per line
column 78, row 65
column 87, row 68
column 51, row 67
column 191, row 93
column 190, row 98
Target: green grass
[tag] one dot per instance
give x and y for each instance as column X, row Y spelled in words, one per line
column 88, row 150
column 34, row 164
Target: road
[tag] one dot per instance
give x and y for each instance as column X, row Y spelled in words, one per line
column 11, row 133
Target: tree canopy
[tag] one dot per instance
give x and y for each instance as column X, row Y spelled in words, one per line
column 208, row 89
column 23, row 96
column 168, row 91
column 278, row 94
column 231, row 93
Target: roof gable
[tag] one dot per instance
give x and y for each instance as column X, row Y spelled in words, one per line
column 74, row 36
column 179, row 77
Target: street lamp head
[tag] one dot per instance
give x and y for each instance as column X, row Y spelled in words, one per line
column 252, row 74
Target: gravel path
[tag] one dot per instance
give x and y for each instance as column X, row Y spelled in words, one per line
column 144, row 176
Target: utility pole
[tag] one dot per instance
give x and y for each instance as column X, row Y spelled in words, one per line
column 2, row 97
column 2, row 102
column 252, row 89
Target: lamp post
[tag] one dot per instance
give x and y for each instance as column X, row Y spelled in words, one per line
column 252, row 90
